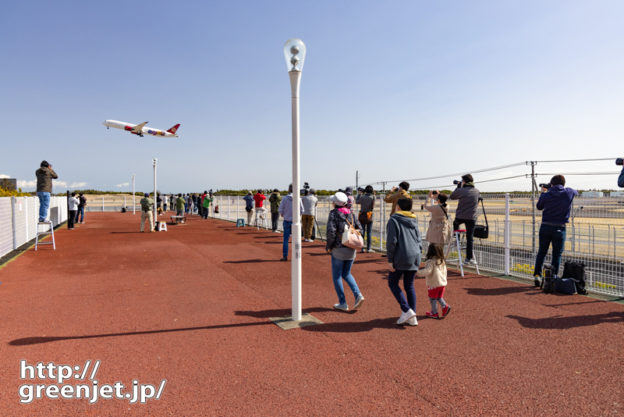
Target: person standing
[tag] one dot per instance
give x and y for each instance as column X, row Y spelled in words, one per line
column 342, row 257
column 206, row 204
column 147, row 207
column 45, row 174
column 286, row 211
column 397, row 193
column 434, row 273
column 556, row 203
column 72, row 207
column 403, row 249
column 466, row 213
column 275, row 199
column 249, row 204
column 308, row 214
column 439, row 231
column 367, row 205
column 80, row 214
column 259, row 201
column 179, row 205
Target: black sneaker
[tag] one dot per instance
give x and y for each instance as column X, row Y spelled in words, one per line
column 284, row 259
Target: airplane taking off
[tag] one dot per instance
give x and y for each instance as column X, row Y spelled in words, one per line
column 141, row 129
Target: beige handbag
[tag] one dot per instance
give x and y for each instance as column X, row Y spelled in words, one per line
column 351, row 237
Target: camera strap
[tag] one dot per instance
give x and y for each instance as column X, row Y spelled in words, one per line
column 484, row 215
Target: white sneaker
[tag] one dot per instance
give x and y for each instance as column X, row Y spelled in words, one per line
column 341, row 307
column 406, row 316
column 412, row 321
column 470, row 262
column 358, row 302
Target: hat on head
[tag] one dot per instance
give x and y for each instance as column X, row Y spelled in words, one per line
column 44, row 164
column 339, row 199
column 146, row 194
column 349, row 189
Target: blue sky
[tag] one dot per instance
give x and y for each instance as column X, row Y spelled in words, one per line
column 401, row 89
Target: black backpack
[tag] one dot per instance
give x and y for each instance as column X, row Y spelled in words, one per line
column 575, row 271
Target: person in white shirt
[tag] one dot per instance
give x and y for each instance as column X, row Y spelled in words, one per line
column 309, row 213
column 72, row 206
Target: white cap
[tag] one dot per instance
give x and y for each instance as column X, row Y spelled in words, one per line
column 339, row 199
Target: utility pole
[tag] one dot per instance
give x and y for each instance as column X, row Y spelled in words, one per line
column 533, row 194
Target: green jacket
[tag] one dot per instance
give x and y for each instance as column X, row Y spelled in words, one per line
column 180, row 203
column 207, row 201
column 147, row 204
column 275, row 199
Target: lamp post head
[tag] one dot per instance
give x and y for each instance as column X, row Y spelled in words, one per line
column 294, row 52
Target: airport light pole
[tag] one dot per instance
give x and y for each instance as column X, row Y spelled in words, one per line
column 294, row 52
column 155, row 162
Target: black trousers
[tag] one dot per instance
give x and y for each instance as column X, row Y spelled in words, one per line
column 71, row 219
column 274, row 220
column 470, row 226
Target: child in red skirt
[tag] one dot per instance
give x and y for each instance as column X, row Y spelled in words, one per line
column 434, row 273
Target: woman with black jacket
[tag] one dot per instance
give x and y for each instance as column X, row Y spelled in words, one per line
column 342, row 257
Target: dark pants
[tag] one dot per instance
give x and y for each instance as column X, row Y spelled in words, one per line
column 366, row 234
column 408, row 284
column 550, row 234
column 71, row 218
column 80, row 214
column 470, row 226
column 274, row 220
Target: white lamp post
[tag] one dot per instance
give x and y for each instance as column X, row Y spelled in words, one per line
column 155, row 161
column 294, row 52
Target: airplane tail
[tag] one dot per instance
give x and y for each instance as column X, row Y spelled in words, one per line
column 174, row 129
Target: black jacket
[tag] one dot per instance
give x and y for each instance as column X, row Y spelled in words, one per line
column 335, row 227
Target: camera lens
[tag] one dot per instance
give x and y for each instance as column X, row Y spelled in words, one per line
column 619, row 161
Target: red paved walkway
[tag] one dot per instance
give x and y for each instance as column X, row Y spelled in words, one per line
column 191, row 306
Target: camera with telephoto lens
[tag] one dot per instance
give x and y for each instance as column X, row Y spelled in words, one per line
column 306, row 189
column 619, row 161
column 456, row 182
column 547, row 186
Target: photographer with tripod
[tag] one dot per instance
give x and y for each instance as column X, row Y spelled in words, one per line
column 466, row 213
column 556, row 203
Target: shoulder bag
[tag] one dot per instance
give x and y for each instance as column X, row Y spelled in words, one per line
column 351, row 237
column 482, row 231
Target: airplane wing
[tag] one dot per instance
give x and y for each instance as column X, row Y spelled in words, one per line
column 139, row 128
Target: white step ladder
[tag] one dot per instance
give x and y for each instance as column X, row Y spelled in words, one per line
column 458, row 240
column 49, row 231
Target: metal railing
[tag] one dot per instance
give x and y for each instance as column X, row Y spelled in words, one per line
column 595, row 234
column 19, row 217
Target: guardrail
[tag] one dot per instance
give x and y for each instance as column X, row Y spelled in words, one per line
column 19, row 216
column 595, row 234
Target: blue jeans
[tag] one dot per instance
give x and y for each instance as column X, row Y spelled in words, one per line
column 287, row 232
column 80, row 214
column 547, row 234
column 408, row 284
column 44, row 204
column 342, row 269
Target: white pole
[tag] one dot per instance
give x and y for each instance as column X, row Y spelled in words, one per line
column 155, row 161
column 507, row 234
column 295, row 79
column 102, row 204
column 133, row 196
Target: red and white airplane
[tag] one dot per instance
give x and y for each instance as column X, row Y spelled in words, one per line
column 141, row 129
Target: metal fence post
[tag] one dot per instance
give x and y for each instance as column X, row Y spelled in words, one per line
column 507, row 235
column 102, row 204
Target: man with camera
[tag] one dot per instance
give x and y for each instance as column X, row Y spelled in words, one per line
column 396, row 194
column 556, row 203
column 620, row 161
column 466, row 213
column 45, row 174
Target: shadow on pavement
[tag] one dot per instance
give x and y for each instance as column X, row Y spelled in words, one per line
column 559, row 323
column 47, row 339
column 500, row 291
column 251, row 261
column 283, row 312
column 356, row 326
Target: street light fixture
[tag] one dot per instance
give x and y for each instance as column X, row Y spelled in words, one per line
column 294, row 52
